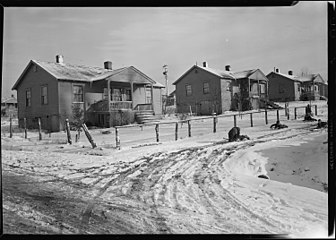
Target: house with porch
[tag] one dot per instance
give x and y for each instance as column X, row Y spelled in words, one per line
column 203, row 90
column 288, row 87
column 51, row 90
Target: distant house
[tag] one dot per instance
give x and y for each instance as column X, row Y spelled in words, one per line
column 9, row 106
column 50, row 90
column 288, row 87
column 171, row 100
column 204, row 90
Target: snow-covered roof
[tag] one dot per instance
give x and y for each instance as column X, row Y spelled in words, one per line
column 302, row 79
column 9, row 100
column 72, row 72
column 225, row 74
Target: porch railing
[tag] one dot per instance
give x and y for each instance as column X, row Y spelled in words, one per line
column 117, row 105
column 143, row 107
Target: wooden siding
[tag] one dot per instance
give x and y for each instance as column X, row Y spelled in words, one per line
column 228, row 89
column 34, row 78
column 275, row 83
column 210, row 101
column 157, row 100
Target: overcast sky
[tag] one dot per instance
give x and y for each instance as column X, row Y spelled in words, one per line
column 288, row 38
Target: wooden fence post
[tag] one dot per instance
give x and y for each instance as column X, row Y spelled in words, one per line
column 10, row 127
column 234, row 120
column 315, row 110
column 88, row 135
column 266, row 120
column 25, row 127
column 67, row 128
column 176, row 131
column 189, row 128
column 278, row 118
column 117, row 138
column 251, row 118
column 295, row 113
column 214, row 124
column 39, row 128
column 157, row 132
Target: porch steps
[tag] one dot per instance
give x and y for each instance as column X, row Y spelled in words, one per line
column 145, row 117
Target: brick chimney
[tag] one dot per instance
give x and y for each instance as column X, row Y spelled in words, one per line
column 59, row 59
column 227, row 68
column 108, row 65
column 205, row 64
column 290, row 72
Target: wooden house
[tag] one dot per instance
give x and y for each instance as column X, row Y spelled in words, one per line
column 203, row 90
column 288, row 87
column 51, row 90
column 9, row 106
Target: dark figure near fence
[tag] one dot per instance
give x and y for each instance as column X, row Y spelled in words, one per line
column 309, row 115
column 321, row 124
column 278, row 125
column 234, row 135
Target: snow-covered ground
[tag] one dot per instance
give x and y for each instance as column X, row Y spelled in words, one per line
column 201, row 184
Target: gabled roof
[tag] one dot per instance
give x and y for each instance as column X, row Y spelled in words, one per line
column 71, row 72
column 225, row 74
column 302, row 79
column 216, row 72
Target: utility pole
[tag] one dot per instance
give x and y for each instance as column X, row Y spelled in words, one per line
column 165, row 73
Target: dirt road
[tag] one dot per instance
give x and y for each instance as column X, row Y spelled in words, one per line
column 185, row 191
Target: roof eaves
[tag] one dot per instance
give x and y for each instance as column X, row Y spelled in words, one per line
column 183, row 75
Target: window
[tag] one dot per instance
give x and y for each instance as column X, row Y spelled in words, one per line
column 105, row 94
column 262, row 88
column 44, row 95
column 206, row 88
column 188, row 90
column 148, row 95
column 116, row 94
column 128, row 95
column 78, row 93
column 28, row 98
column 316, row 88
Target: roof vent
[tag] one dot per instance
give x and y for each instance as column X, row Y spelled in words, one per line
column 277, row 70
column 108, row 65
column 59, row 59
column 205, row 64
column 227, row 68
column 290, row 72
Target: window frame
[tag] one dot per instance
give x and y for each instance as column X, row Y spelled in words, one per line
column 74, row 94
column 42, row 96
column 28, row 103
column 187, row 88
column 262, row 86
column 148, row 93
column 208, row 88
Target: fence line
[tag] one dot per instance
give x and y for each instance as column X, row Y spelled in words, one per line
column 188, row 121
column 215, row 120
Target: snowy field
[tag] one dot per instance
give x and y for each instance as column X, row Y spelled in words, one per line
column 202, row 184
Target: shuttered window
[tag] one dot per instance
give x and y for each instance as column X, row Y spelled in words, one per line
column 44, row 95
column 188, row 90
column 206, row 88
column 28, row 97
column 78, row 93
